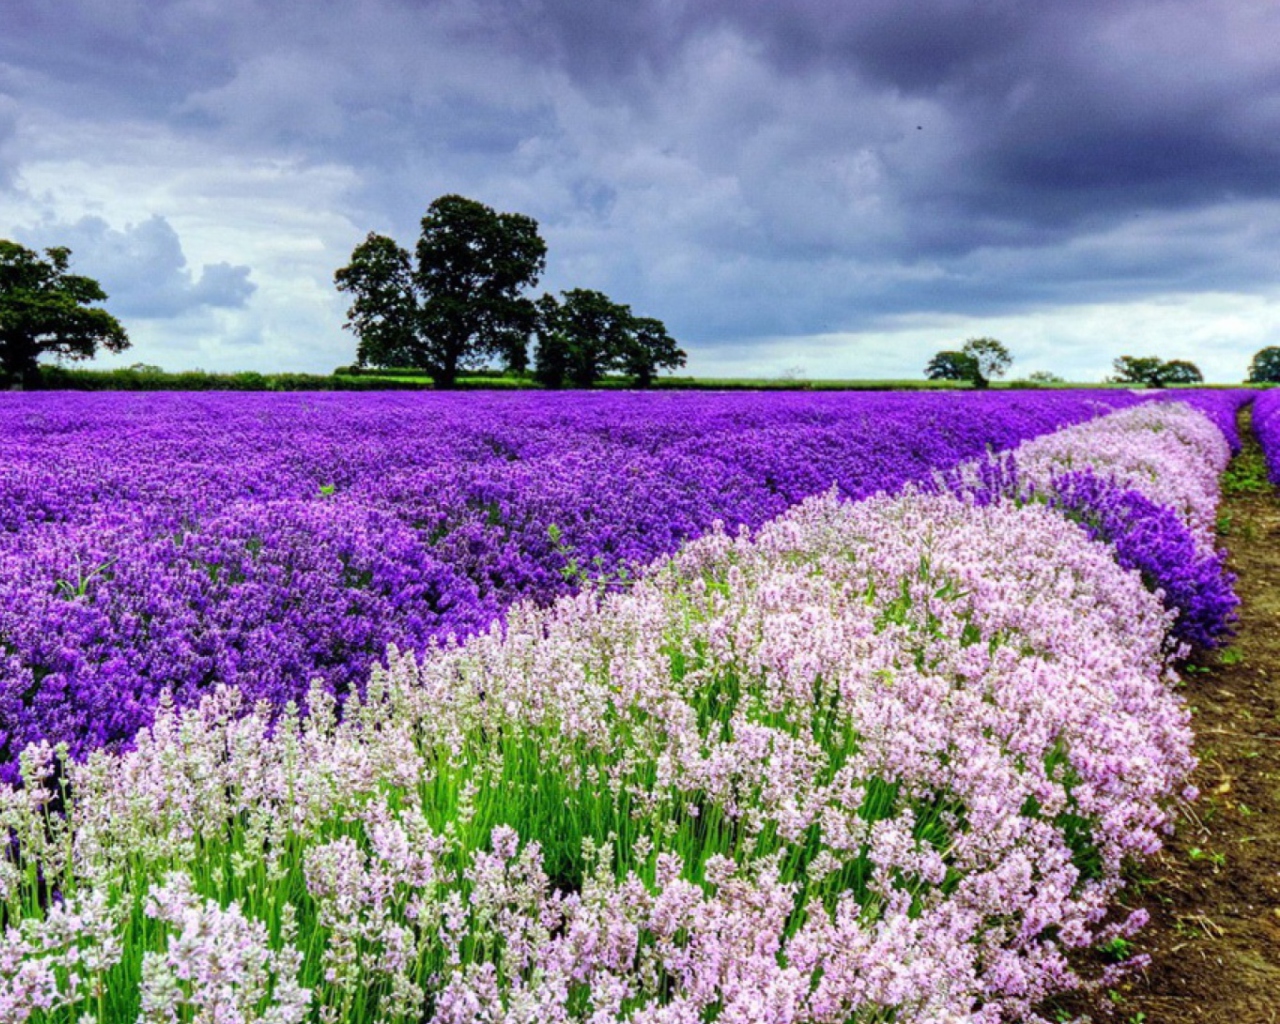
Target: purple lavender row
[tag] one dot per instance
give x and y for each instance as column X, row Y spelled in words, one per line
column 173, row 542
column 1266, row 423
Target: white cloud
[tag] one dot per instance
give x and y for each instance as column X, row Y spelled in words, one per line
column 149, row 203
column 143, row 267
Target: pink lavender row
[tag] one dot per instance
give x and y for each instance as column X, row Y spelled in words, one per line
column 173, row 542
column 1149, row 489
column 1220, row 405
column 884, row 760
column 1266, row 422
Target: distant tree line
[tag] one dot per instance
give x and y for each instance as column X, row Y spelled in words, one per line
column 455, row 306
column 980, row 359
column 459, row 302
column 1153, row 372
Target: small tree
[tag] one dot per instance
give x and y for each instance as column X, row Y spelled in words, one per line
column 990, row 357
column 1265, row 368
column 978, row 360
column 1180, row 371
column 1142, row 370
column 1153, row 372
column 952, row 366
column 385, row 312
column 461, row 304
column 551, row 359
column 578, row 338
column 45, row 309
column 587, row 335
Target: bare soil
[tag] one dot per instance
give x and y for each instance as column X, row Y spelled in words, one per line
column 1214, row 893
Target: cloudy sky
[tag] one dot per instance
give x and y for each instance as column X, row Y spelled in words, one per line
column 822, row 188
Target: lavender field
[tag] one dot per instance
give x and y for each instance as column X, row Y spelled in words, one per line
column 173, row 542
column 614, row 707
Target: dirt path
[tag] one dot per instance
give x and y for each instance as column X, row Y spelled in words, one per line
column 1214, row 894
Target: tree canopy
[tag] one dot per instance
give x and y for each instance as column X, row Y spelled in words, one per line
column 1265, row 368
column 1180, row 371
column 649, row 348
column 991, row 358
column 46, row 309
column 951, row 365
column 1153, row 372
column 585, row 334
column 978, row 360
column 457, row 302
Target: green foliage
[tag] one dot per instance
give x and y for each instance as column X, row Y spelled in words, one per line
column 410, row 373
column 978, row 360
column 587, row 335
column 990, row 357
column 578, row 338
column 649, row 348
column 1217, row 859
column 1265, row 368
column 1153, row 372
column 951, row 365
column 1138, row 370
column 45, row 309
column 458, row 302
column 152, row 378
column 384, row 312
column 1180, row 371
column 1117, row 949
column 1247, row 474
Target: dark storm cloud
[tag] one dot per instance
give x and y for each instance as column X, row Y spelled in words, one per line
column 1055, row 113
column 99, row 58
column 8, row 146
column 143, row 268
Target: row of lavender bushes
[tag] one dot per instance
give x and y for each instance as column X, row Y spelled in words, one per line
column 174, row 542
column 1146, row 517
column 1266, row 423
column 883, row 760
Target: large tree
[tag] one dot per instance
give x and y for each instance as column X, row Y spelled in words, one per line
column 45, row 309
column 1154, row 372
column 585, row 334
column 458, row 302
column 1265, row 368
